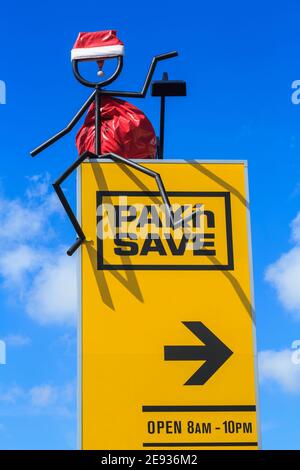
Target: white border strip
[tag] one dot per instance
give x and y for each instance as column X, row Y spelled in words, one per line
column 253, row 312
column 167, row 160
column 79, row 319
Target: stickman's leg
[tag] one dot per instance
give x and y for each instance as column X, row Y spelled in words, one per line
column 174, row 224
column 66, row 205
column 57, row 187
column 153, row 174
column 116, row 158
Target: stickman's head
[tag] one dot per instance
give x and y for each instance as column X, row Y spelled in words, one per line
column 98, row 47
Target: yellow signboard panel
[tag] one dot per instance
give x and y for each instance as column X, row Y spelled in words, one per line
column 167, row 330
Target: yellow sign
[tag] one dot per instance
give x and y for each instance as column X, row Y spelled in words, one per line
column 167, row 330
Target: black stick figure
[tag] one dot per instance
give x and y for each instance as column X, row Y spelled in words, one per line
column 96, row 97
column 99, row 91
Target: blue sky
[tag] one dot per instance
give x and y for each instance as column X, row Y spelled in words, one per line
column 239, row 60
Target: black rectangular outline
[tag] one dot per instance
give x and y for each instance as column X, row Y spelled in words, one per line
column 200, row 444
column 170, row 267
column 197, row 408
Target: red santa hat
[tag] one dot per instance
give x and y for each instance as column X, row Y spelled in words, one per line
column 97, row 45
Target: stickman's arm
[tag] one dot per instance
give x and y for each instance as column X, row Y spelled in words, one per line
column 142, row 94
column 67, row 129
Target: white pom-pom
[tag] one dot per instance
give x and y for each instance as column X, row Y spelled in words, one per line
column 100, row 73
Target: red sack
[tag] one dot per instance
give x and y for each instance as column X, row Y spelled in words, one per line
column 125, row 130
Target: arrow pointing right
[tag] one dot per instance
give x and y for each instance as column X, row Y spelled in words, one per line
column 213, row 352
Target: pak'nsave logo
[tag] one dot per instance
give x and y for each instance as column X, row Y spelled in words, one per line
column 134, row 231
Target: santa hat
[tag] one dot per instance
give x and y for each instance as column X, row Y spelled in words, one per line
column 97, row 45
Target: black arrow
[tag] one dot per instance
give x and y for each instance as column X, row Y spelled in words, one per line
column 214, row 352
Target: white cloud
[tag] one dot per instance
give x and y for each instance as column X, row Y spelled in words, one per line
column 277, row 367
column 27, row 219
column 42, row 278
column 284, row 274
column 40, row 399
column 53, row 399
column 39, row 187
column 68, row 340
column 10, row 395
column 52, row 297
column 295, row 225
column 15, row 265
column 17, row 341
column 45, row 282
column 43, row 395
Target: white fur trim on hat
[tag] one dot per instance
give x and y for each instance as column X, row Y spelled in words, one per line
column 97, row 52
